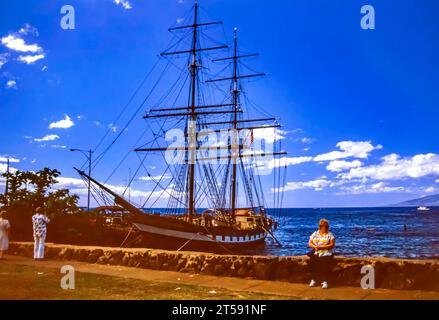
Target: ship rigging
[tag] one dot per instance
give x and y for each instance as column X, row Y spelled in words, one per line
column 220, row 176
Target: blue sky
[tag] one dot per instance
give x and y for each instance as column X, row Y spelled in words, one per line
column 359, row 107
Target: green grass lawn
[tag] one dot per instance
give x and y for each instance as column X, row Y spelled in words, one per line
column 26, row 282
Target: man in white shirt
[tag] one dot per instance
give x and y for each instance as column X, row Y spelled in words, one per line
column 39, row 222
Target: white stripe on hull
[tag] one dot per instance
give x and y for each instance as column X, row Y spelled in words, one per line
column 199, row 236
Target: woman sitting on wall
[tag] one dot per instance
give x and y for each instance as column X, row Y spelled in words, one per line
column 322, row 242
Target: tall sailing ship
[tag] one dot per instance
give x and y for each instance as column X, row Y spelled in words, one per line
column 222, row 182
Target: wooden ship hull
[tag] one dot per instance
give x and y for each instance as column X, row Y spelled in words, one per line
column 170, row 239
column 203, row 232
column 176, row 234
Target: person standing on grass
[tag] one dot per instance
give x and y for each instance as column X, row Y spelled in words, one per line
column 322, row 242
column 5, row 227
column 39, row 222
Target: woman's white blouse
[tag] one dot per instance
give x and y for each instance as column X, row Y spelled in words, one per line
column 322, row 240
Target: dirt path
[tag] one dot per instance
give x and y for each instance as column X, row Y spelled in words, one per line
column 284, row 289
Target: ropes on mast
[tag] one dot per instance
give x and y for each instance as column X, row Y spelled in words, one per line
column 211, row 184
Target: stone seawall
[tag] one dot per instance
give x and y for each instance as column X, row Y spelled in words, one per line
column 389, row 273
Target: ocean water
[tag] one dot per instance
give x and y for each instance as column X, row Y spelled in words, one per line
column 361, row 232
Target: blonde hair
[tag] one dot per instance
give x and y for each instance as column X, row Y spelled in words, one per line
column 324, row 222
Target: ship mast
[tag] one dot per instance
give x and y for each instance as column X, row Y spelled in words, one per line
column 192, row 111
column 235, row 145
column 235, row 93
column 193, row 118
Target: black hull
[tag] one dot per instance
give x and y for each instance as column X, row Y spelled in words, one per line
column 155, row 241
column 174, row 234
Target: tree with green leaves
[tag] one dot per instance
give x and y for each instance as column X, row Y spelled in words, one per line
column 29, row 190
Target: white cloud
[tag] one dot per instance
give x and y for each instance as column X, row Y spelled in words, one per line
column 4, row 168
column 11, row 159
column 4, row 165
column 342, row 165
column 15, row 43
column 270, row 135
column 306, row 140
column 62, row 124
column 77, row 186
column 29, row 59
column 430, row 189
column 124, row 3
column 317, row 185
column 49, row 137
column 393, row 167
column 282, row 162
column 67, row 183
column 29, row 53
column 28, row 29
column 155, row 178
column 11, row 84
column 57, row 146
column 379, row 187
column 349, row 149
